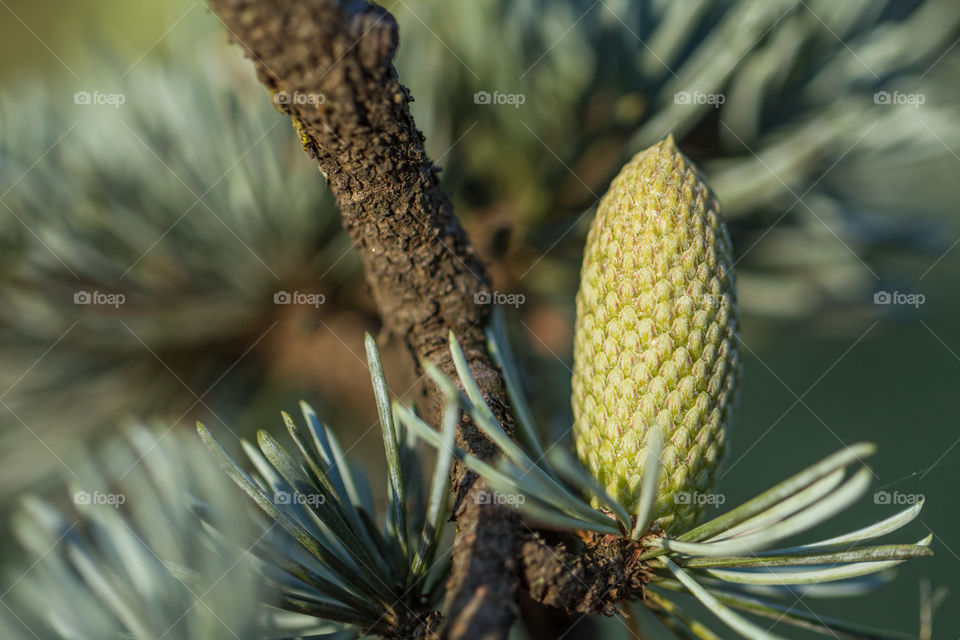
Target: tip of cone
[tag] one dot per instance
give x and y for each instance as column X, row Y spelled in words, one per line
column 667, row 143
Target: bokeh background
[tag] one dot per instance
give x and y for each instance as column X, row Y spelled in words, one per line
column 139, row 158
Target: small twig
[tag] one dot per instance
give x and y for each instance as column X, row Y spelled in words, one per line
column 930, row 600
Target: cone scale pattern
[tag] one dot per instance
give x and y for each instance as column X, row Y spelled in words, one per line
column 655, row 343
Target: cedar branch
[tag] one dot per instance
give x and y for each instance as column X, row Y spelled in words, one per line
column 420, row 267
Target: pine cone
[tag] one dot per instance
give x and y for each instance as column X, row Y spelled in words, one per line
column 656, row 335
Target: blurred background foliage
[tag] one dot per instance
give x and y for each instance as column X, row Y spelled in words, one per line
column 193, row 200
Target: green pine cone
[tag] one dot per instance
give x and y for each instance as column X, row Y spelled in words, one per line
column 655, row 346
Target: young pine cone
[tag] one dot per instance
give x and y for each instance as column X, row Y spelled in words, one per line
column 655, row 346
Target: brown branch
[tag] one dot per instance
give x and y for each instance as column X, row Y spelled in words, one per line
column 582, row 577
column 330, row 65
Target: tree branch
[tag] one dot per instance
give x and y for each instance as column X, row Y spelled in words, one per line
column 582, row 577
column 330, row 66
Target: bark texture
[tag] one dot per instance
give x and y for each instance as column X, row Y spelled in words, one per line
column 329, row 66
column 587, row 579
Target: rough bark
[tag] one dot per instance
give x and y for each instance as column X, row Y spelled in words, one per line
column 587, row 579
column 329, row 64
